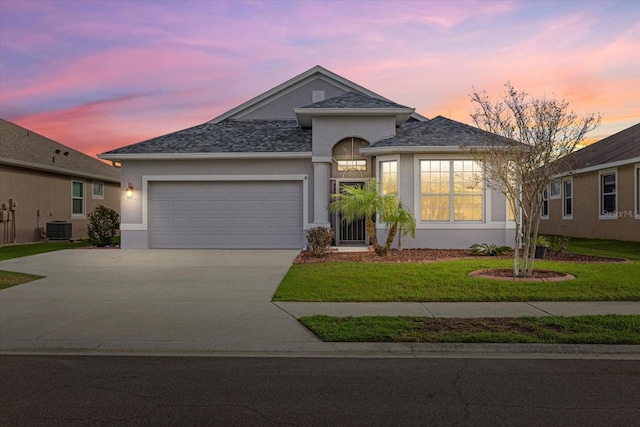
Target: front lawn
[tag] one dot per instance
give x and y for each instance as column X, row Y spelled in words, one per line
column 609, row 329
column 612, row 248
column 9, row 279
column 17, row 251
column 449, row 281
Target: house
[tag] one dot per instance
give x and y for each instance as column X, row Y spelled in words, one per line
column 262, row 173
column 47, row 185
column 600, row 198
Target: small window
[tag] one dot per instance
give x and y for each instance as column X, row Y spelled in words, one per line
column 567, row 205
column 608, row 195
column 545, row 204
column 351, row 165
column 97, row 190
column 556, row 190
column 77, row 198
column 389, row 176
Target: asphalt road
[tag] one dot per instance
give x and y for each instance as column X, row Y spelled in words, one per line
column 103, row 390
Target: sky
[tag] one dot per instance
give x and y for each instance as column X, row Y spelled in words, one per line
column 98, row 75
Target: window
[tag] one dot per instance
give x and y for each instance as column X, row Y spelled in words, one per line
column 77, row 198
column 97, row 190
column 608, row 197
column 556, row 189
column 637, row 185
column 351, row 165
column 545, row 204
column 389, row 176
column 567, row 201
column 451, row 190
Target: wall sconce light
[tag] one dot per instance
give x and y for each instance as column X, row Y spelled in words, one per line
column 130, row 191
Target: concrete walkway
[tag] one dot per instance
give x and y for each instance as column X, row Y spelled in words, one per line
column 204, row 302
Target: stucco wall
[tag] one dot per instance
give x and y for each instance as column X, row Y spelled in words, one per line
column 586, row 221
column 44, row 197
column 281, row 108
column 328, row 130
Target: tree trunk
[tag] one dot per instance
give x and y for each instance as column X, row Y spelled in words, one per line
column 371, row 231
column 390, row 237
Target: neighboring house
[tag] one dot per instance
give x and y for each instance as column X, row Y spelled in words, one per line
column 262, row 173
column 600, row 198
column 47, row 182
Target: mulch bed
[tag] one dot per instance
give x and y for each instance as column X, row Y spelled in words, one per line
column 430, row 255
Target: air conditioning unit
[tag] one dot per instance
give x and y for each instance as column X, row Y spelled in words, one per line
column 59, row 230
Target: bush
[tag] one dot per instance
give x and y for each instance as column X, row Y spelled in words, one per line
column 319, row 239
column 103, row 225
column 488, row 250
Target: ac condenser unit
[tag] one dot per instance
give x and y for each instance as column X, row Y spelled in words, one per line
column 59, row 230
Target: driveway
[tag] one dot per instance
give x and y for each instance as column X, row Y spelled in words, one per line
column 139, row 301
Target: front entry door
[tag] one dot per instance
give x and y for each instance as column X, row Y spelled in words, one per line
column 350, row 233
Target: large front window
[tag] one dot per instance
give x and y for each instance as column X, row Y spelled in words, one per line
column 451, row 190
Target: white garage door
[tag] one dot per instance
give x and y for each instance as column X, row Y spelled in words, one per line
column 205, row 214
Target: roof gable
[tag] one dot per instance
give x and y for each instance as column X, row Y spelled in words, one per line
column 23, row 148
column 624, row 145
column 315, row 78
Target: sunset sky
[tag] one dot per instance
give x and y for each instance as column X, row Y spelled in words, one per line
column 97, row 75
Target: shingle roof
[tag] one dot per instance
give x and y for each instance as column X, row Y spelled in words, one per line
column 354, row 100
column 228, row 136
column 621, row 146
column 24, row 148
column 437, row 132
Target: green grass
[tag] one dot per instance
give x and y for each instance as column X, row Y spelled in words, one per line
column 612, row 248
column 449, row 281
column 9, row 279
column 609, row 329
column 17, row 251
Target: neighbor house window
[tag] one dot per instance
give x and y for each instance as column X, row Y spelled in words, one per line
column 637, row 185
column 556, row 190
column 389, row 176
column 545, row 204
column 608, row 195
column 97, row 191
column 451, row 190
column 77, row 198
column 567, row 199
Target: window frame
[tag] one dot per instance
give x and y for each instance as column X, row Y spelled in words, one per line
column 380, row 162
column 93, row 188
column 558, row 195
column 544, row 214
column 636, row 185
column 601, row 194
column 82, row 198
column 483, row 194
column 566, row 215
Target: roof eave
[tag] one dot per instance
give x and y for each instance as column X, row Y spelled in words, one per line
column 205, row 156
column 374, row 151
column 305, row 115
column 57, row 170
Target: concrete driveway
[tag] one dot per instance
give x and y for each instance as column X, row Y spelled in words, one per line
column 138, row 301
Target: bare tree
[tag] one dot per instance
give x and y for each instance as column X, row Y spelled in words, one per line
column 525, row 149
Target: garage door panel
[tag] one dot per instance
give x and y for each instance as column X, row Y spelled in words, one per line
column 226, row 214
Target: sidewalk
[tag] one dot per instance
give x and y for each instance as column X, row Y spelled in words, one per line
column 460, row 309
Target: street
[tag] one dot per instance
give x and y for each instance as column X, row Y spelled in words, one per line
column 104, row 390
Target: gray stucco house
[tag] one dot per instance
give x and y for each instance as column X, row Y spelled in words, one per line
column 261, row 174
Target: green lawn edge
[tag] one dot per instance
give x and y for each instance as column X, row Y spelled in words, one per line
column 604, row 329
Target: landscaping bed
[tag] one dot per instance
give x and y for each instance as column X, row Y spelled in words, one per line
column 432, row 255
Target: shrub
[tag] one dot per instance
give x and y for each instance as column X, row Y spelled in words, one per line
column 103, row 225
column 543, row 241
column 559, row 244
column 319, row 239
column 488, row 250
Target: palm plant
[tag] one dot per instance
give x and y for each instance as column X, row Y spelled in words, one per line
column 357, row 202
column 406, row 224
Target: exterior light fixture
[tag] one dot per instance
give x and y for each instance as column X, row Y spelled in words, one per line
column 130, row 191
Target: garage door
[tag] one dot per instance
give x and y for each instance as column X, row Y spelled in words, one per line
column 245, row 214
